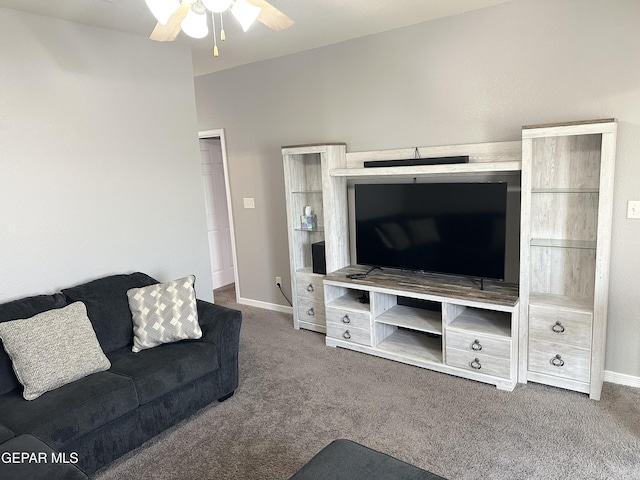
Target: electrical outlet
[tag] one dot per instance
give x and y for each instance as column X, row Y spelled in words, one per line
column 278, row 281
column 249, row 202
column 633, row 209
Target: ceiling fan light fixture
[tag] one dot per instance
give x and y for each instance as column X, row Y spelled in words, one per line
column 217, row 6
column 245, row 13
column 195, row 24
column 162, row 9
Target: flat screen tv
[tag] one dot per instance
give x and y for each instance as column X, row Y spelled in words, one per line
column 447, row 228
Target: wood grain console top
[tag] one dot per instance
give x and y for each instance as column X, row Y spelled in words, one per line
column 445, row 286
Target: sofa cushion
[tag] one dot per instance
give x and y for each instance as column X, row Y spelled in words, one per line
column 108, row 307
column 5, row 434
column 70, row 411
column 164, row 313
column 167, row 367
column 23, row 308
column 41, row 462
column 52, row 349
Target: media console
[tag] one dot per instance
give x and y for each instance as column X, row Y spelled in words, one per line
column 551, row 331
column 466, row 332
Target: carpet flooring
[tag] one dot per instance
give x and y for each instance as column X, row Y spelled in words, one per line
column 296, row 395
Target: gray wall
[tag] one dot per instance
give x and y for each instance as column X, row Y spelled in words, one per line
column 99, row 159
column 476, row 77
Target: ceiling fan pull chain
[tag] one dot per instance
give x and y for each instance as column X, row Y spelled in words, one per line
column 223, row 37
column 215, row 40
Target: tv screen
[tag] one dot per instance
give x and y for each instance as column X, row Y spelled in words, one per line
column 449, row 228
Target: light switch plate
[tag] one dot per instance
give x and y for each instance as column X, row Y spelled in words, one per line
column 249, row 202
column 633, row 209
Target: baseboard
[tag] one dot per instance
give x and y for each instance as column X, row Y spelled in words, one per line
column 267, row 306
column 622, row 379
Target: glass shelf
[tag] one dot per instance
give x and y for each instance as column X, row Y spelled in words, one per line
column 565, row 190
column 547, row 242
column 303, row 192
column 310, row 230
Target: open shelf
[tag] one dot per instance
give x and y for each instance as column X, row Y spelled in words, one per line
column 566, row 302
column 413, row 318
column 414, row 345
column 309, row 271
column 349, row 301
column 482, row 321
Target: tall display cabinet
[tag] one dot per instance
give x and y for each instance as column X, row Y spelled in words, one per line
column 567, row 197
column 308, row 184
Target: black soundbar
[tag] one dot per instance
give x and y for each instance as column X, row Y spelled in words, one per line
column 416, row 161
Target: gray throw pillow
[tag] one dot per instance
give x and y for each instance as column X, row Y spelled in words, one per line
column 164, row 313
column 52, row 349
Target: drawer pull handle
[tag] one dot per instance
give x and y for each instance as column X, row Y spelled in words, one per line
column 346, row 319
column 310, row 288
column 476, row 364
column 557, row 361
column 476, row 345
column 346, row 334
column 557, row 327
column 311, row 312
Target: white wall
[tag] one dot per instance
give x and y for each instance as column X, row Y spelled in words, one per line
column 476, row 77
column 99, row 160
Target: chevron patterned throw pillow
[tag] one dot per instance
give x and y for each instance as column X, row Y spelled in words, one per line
column 164, row 313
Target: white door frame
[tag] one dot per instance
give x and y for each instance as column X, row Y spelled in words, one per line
column 219, row 133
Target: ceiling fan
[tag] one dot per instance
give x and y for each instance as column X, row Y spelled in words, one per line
column 190, row 16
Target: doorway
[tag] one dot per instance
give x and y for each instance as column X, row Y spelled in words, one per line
column 218, row 210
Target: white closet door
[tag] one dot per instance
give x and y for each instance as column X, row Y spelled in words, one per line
column 217, row 212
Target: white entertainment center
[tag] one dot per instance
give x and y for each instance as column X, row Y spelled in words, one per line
column 550, row 328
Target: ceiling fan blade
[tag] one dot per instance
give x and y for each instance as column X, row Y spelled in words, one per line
column 271, row 16
column 169, row 32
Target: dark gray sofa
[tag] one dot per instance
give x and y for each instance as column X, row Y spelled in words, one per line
column 106, row 414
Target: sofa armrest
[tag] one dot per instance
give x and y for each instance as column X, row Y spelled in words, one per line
column 221, row 326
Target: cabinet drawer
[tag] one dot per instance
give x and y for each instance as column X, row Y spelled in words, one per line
column 560, row 326
column 348, row 333
column 560, row 360
column 477, row 362
column 309, row 285
column 475, row 343
column 349, row 319
column 311, row 311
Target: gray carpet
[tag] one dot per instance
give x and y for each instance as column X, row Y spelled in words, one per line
column 296, row 395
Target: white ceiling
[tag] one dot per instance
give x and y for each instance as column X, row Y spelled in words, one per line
column 317, row 23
